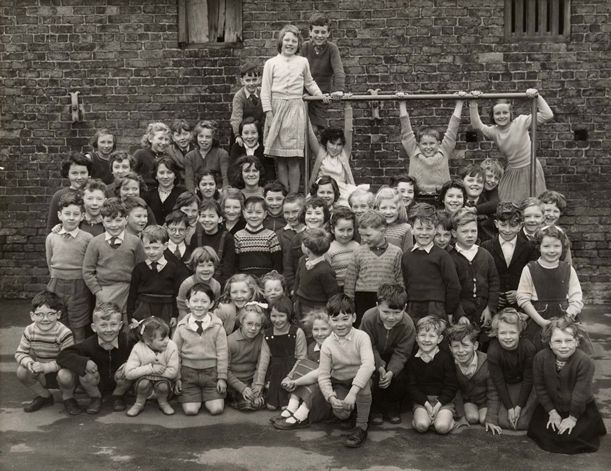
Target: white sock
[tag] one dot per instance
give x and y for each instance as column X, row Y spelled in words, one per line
column 292, row 406
column 300, row 414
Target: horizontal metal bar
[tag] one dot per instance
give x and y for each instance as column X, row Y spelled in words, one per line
column 424, row 96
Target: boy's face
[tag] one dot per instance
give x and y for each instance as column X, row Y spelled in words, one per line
column 551, row 213
column 70, row 216
column 120, row 168
column 491, row 180
column 563, row 343
column 466, row 235
column 181, row 138
column 424, row 232
column 106, row 143
column 319, row 34
column 389, row 316
column 44, row 317
column 359, row 205
column 291, row 212
column 274, row 200
column 372, row 236
column 272, row 290
column 463, row 350
column 137, row 220
column 406, row 190
column 507, row 230
column 114, row 225
column 250, row 135
column 204, row 271
column 177, row 232
column 254, row 214
column 474, row 186
column 341, row 324
column 442, row 237
column 250, row 81
column 428, row 339
column 107, row 329
column 198, row 303
column 232, row 210
column 78, row 175
column 93, row 200
column 314, row 217
column 320, row 331
column 533, row 218
column 205, row 139
column 428, row 146
column 153, row 249
column 209, row 219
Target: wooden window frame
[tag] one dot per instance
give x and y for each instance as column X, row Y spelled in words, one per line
column 538, row 19
column 232, row 24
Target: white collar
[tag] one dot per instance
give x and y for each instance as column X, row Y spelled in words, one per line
column 427, row 357
column 73, row 233
column 121, row 236
column 470, row 253
column 345, row 338
column 206, row 321
column 546, row 264
column 113, row 344
column 172, row 246
column 316, row 347
column 426, row 248
column 288, row 227
column 471, row 368
column 312, row 263
column 511, row 242
column 162, row 262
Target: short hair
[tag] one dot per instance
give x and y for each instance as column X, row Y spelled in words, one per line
column 70, row 198
column 317, row 240
column 342, row 213
column 508, row 211
column 254, row 308
column 149, row 327
column 210, row 204
column 444, row 219
column 556, row 233
column 430, row 132
column 361, row 192
column 531, row 201
column 283, row 304
column 325, row 180
column 205, row 254
column 251, row 282
column 289, row 29
column 563, row 323
column 209, row 124
column 131, row 176
column 294, row 198
column 201, row 288
column 372, row 219
column 120, row 156
column 472, row 170
column 105, row 311
column 454, row 183
column 340, row 303
column 318, row 19
column 47, row 298
column 508, row 315
column 169, row 164
column 94, row 184
column 392, row 294
column 155, row 233
column 246, row 121
column 232, row 194
column 93, row 142
column 388, row 193
column 493, row 165
column 112, row 208
column 276, row 187
column 431, row 323
column 180, row 124
column 176, row 217
column 186, row 198
column 553, row 197
column 236, row 178
column 459, row 332
column 315, row 202
column 252, row 201
column 133, row 202
column 463, row 217
column 151, row 129
column 394, row 181
column 332, row 135
column 425, row 213
column 274, row 276
column 75, row 158
column 319, row 315
column 250, row 67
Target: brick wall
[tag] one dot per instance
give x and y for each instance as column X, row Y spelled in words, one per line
column 123, row 59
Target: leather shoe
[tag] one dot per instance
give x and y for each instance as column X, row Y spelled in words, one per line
column 38, row 403
column 118, row 403
column 72, row 406
column 377, row 418
column 356, row 438
column 94, row 406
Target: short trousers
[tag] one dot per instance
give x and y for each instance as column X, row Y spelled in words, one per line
column 449, row 406
column 198, row 385
column 76, row 297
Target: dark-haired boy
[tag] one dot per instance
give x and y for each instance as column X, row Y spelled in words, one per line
column 247, row 102
column 274, row 193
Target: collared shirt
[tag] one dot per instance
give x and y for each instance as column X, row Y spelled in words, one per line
column 288, row 227
column 119, row 237
column 528, row 235
column 162, row 262
column 251, row 150
column 312, row 263
column 317, row 348
column 247, row 94
column 380, row 249
column 427, row 357
column 182, row 247
column 73, row 233
column 426, row 248
column 346, row 338
column 206, row 321
column 109, row 345
column 470, row 253
column 471, row 368
column 508, row 247
column 96, row 220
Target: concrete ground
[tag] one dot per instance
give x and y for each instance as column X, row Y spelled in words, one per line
column 51, row 440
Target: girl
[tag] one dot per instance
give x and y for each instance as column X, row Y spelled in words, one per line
column 251, row 145
column 326, row 189
column 513, row 140
column 244, row 352
column 153, row 364
column 248, row 176
column 162, row 199
column 284, row 344
column 203, row 262
column 232, row 205
column 103, row 143
column 306, row 403
column 188, row 203
column 333, row 156
column 343, row 246
column 207, row 156
column 567, row 419
column 274, row 286
column 284, row 78
column 532, row 213
column 208, row 182
column 510, row 360
column 548, row 286
column 133, row 185
column 121, row 163
column 239, row 290
column 182, row 144
column 407, row 188
column 452, row 196
column 388, row 203
column 155, row 142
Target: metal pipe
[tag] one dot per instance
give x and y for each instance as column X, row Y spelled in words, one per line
column 533, row 148
column 429, row 96
column 306, row 152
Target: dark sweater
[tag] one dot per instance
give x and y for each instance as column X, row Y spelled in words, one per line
column 436, row 378
column 162, row 208
column 160, row 283
column 100, row 168
column 316, row 285
column 145, row 166
column 257, row 252
column 509, row 276
column 75, row 359
column 290, row 260
column 512, row 367
column 226, row 254
column 274, row 223
column 479, row 388
column 326, row 66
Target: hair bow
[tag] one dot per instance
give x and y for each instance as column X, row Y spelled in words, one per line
column 256, row 303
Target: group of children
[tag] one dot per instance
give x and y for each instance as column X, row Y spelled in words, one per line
column 343, row 303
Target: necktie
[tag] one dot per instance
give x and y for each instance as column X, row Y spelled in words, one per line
column 66, row 235
column 154, row 266
column 253, row 99
column 177, row 253
column 114, row 242
column 200, row 329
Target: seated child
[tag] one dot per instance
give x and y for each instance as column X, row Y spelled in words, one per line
column 207, row 155
column 306, row 403
column 554, row 206
column 431, row 379
column 244, row 352
column 94, row 195
column 202, row 346
column 274, row 194
column 567, row 419
column 342, row 247
column 346, row 366
column 65, row 250
column 389, row 203
column 392, row 335
column 37, row 353
column 443, row 230
column 153, row 365
column 510, row 361
column 99, row 360
column 407, row 188
column 479, row 397
column 203, row 262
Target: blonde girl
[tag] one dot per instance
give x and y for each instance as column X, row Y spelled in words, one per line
column 155, row 142
column 239, row 290
column 232, row 205
column 389, row 203
column 207, row 156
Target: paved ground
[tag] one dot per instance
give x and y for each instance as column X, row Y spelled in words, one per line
column 50, row 440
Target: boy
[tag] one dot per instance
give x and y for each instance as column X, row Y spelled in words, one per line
column 473, row 179
column 476, row 270
column 532, row 214
column 374, row 262
column 326, row 66
column 493, row 172
column 121, row 163
column 429, row 273
column 136, row 211
column 257, row 249
column 94, row 195
column 98, row 360
column 345, row 368
column 392, row 334
column 182, row 144
column 431, row 379
column 274, row 194
column 443, row 230
column 510, row 252
column 65, row 250
column 37, row 353
column 111, row 257
column 292, row 206
column 246, row 102
column 178, row 251
column 479, row 396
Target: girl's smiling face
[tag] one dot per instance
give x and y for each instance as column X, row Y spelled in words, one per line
column 207, row 186
column 550, row 249
column 159, row 141
column 491, row 180
column 453, row 200
column 240, row 293
column 106, row 144
column 326, row 193
column 204, row 271
column 502, row 114
column 250, row 135
column 406, row 190
column 129, row 188
column 508, row 335
column 232, row 209
column 250, row 175
column 209, row 219
column 334, row 148
column 551, row 213
column 205, row 139
column 279, row 319
column 290, row 44
column 165, row 176
column 390, row 210
column 78, row 176
column 344, row 231
column 120, row 168
column 314, row 217
column 159, row 342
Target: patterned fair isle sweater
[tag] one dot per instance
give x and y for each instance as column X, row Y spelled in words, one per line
column 257, row 251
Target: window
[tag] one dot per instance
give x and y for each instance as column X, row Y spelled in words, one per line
column 537, row 19
column 209, row 22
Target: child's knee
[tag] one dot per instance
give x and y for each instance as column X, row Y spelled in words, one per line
column 65, row 378
column 90, row 380
column 191, row 408
column 162, row 388
column 215, row 407
column 24, row 375
column 444, row 424
column 472, row 418
column 341, row 414
column 144, row 386
column 421, row 425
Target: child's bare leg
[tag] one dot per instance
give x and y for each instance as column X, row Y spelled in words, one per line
column 89, row 382
column 215, row 406
column 143, row 389
column 444, row 421
column 163, row 391
column 471, row 413
column 294, row 175
column 421, row 420
column 283, row 171
column 65, row 381
column 32, row 382
column 483, row 412
column 191, row 408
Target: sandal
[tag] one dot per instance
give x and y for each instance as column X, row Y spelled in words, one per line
column 284, row 425
column 280, row 417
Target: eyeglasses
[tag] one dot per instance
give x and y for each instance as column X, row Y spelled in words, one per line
column 46, row 315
